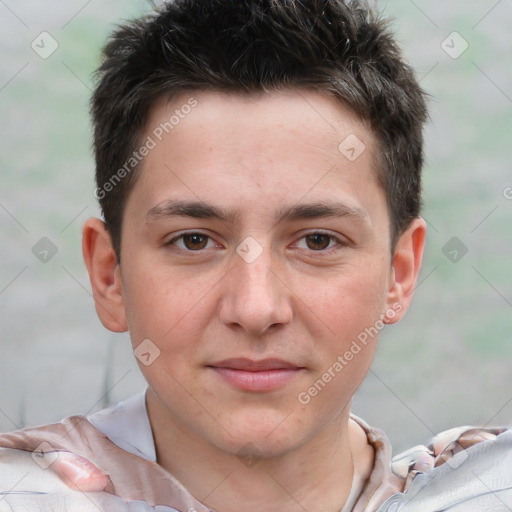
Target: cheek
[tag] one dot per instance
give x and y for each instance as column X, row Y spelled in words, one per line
column 349, row 303
column 345, row 340
column 171, row 310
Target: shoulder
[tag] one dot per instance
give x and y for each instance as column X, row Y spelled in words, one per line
column 123, row 427
column 74, row 433
column 441, row 449
column 464, row 468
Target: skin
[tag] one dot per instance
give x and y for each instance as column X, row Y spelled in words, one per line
column 304, row 299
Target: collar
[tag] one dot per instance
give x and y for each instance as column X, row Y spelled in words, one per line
column 127, row 425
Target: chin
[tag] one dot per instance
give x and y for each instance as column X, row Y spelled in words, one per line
column 246, row 447
column 261, row 435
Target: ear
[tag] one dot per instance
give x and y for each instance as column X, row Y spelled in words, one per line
column 104, row 274
column 405, row 269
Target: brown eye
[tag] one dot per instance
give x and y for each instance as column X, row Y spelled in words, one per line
column 318, row 241
column 195, row 241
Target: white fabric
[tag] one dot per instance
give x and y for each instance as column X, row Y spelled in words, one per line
column 478, row 479
column 26, row 485
column 127, row 425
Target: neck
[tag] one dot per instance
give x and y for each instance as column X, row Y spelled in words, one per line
column 317, row 475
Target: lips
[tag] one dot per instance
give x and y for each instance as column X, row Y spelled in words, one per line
column 250, row 365
column 256, row 376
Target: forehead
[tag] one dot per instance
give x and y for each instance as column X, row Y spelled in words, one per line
column 240, row 120
column 269, row 148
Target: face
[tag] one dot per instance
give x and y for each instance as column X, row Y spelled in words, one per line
column 256, row 259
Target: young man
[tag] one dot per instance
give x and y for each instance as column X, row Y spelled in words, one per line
column 258, row 169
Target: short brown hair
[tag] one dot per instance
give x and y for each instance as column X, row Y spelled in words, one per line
column 340, row 47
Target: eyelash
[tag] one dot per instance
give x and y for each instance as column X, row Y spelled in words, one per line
column 340, row 243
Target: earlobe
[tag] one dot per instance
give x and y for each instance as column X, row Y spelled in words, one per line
column 104, row 275
column 405, row 270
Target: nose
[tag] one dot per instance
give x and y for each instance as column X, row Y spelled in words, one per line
column 255, row 298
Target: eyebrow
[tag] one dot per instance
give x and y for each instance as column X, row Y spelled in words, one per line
column 202, row 210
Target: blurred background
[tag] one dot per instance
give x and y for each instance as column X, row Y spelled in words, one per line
column 447, row 363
